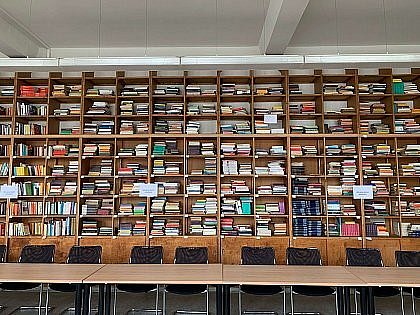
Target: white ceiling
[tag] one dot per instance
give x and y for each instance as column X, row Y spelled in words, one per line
column 61, row 25
column 170, row 22
column 360, row 23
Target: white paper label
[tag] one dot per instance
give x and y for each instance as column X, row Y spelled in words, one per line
column 9, row 191
column 148, row 190
column 362, row 192
column 270, row 119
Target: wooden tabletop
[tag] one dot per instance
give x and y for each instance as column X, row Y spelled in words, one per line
column 158, row 274
column 290, row 275
column 388, row 276
column 46, row 273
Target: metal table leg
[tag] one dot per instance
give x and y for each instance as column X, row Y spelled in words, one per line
column 86, row 299
column 364, row 304
column 347, row 305
column 226, row 299
column 340, row 300
column 78, row 299
column 101, row 300
column 219, row 299
column 107, row 299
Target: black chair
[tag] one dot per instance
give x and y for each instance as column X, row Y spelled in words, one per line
column 259, row 256
column 408, row 259
column 79, row 255
column 41, row 254
column 189, row 255
column 142, row 255
column 307, row 257
column 368, row 257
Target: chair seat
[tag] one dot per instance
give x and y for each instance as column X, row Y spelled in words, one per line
column 136, row 288
column 261, row 289
column 63, row 287
column 416, row 291
column 383, row 291
column 16, row 286
column 313, row 290
column 186, row 289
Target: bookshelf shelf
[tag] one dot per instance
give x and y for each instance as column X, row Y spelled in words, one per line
column 313, row 183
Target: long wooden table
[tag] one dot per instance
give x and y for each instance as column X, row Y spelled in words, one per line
column 332, row 276
column 383, row 277
column 158, row 274
column 388, row 276
column 47, row 273
column 222, row 276
column 50, row 273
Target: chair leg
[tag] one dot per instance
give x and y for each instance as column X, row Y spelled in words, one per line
column 115, row 299
column 90, row 299
column 240, row 300
column 336, row 302
column 157, row 300
column 164, row 301
column 402, row 301
column 284, row 300
column 207, row 300
column 41, row 288
column 413, row 301
column 47, row 299
column 292, row 305
column 355, row 302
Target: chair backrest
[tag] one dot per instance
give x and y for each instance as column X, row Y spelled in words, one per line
column 303, row 256
column 3, row 252
column 191, row 255
column 405, row 258
column 365, row 257
column 85, row 255
column 257, row 256
column 37, row 254
column 146, row 255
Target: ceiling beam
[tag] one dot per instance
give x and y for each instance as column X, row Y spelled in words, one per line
column 282, row 18
column 17, row 41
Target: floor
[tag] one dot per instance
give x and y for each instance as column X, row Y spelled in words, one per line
column 127, row 301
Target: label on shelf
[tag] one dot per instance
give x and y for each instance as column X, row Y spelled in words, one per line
column 148, row 190
column 9, row 191
column 362, row 192
column 270, row 119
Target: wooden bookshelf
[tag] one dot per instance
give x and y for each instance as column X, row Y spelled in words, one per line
column 110, row 133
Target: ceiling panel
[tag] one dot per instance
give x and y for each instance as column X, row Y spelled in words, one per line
column 360, row 23
column 123, row 24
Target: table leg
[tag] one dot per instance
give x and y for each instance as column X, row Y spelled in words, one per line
column 219, row 299
column 78, row 299
column 226, row 299
column 86, row 300
column 371, row 301
column 101, row 299
column 364, row 309
column 347, row 305
column 340, row 300
column 107, row 299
